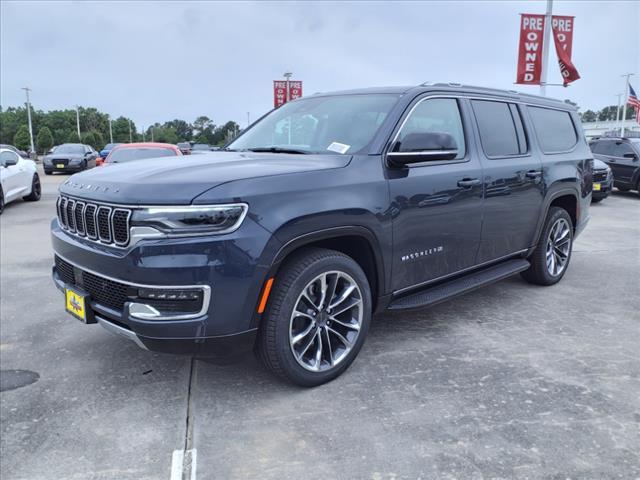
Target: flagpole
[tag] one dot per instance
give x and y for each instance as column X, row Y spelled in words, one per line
column 545, row 47
column 626, row 99
column 619, row 95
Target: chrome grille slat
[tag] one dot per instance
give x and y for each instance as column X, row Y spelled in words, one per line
column 94, row 221
column 71, row 218
column 78, row 218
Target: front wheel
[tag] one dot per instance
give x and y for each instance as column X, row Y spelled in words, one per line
column 596, row 200
column 550, row 259
column 317, row 318
column 36, row 190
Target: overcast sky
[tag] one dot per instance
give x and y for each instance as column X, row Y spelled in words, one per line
column 164, row 60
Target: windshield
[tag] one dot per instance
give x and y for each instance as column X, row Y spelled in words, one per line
column 340, row 124
column 122, row 155
column 110, row 146
column 70, row 149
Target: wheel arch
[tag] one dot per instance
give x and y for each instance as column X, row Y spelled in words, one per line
column 357, row 242
column 566, row 198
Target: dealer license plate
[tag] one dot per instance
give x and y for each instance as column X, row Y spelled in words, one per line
column 76, row 304
column 596, row 187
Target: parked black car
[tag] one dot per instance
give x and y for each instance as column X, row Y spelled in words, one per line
column 602, row 181
column 289, row 240
column 70, row 157
column 623, row 156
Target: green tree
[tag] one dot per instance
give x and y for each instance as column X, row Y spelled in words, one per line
column 21, row 139
column 73, row 137
column 44, row 140
column 93, row 138
column 589, row 116
column 120, row 127
column 608, row 113
column 183, row 129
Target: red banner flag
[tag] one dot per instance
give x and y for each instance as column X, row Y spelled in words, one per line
column 563, row 38
column 530, row 49
column 295, row 89
column 279, row 93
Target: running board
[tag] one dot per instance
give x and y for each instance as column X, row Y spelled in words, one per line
column 459, row 286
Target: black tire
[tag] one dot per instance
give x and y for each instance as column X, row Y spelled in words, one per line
column 48, row 172
column 623, row 189
column 36, row 190
column 1, row 201
column 539, row 273
column 83, row 165
column 596, row 200
column 273, row 345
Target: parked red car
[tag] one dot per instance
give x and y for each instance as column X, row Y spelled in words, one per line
column 128, row 152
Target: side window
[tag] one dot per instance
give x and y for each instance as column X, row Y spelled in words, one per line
column 8, row 158
column 436, row 115
column 554, row 129
column 603, row 147
column 620, row 149
column 500, row 127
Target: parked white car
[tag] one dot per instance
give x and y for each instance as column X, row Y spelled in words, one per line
column 18, row 178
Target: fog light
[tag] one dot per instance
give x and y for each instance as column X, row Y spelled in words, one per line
column 169, row 303
column 166, row 294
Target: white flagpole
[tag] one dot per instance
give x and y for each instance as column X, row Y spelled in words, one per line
column 626, row 99
column 545, row 47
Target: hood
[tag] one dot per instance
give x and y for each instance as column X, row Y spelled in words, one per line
column 178, row 180
column 599, row 164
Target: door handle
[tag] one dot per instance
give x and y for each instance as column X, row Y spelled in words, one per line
column 533, row 173
column 611, row 160
column 468, row 182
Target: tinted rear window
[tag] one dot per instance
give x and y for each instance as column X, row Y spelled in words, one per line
column 554, row 129
column 497, row 126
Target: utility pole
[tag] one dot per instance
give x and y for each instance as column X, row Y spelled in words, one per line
column 130, row 135
column 545, row 47
column 78, row 119
column 143, row 136
column 248, row 119
column 626, row 99
column 287, row 75
column 110, row 131
column 152, row 139
column 619, row 95
column 27, row 90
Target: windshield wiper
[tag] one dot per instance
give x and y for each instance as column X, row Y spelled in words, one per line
column 278, row 150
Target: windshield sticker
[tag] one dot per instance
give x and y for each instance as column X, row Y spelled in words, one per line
column 338, row 147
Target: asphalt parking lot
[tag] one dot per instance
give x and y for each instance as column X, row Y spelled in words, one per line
column 511, row 381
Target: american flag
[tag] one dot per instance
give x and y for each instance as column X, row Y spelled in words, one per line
column 634, row 102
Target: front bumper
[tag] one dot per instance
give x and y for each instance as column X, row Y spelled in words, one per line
column 228, row 266
column 606, row 187
column 71, row 168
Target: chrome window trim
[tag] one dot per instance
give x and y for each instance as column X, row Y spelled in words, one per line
column 462, row 95
column 206, row 292
column 424, row 153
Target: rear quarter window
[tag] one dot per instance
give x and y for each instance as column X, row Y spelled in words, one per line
column 554, row 129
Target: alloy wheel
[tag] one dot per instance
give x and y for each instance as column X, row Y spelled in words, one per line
column 558, row 247
column 36, row 188
column 326, row 321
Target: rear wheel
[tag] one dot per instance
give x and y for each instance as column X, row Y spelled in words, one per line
column 1, row 200
column 48, row 172
column 596, row 200
column 623, row 189
column 317, row 318
column 36, row 189
column 550, row 259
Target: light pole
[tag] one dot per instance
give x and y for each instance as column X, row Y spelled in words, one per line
column 287, row 75
column 626, row 99
column 27, row 90
column 110, row 131
column 78, row 119
column 619, row 95
column 545, row 47
column 248, row 119
column 130, row 135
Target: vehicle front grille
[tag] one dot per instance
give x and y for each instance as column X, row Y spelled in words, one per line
column 106, row 292
column 60, row 161
column 103, row 223
column 599, row 175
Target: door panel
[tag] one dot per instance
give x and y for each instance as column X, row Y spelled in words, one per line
column 436, row 226
column 512, row 180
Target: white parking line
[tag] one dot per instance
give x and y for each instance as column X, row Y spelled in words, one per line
column 183, row 464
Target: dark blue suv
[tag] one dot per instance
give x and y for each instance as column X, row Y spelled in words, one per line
column 325, row 211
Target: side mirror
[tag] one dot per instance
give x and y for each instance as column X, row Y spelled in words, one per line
column 632, row 156
column 421, row 147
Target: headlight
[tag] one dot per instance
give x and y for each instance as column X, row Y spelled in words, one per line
column 192, row 220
